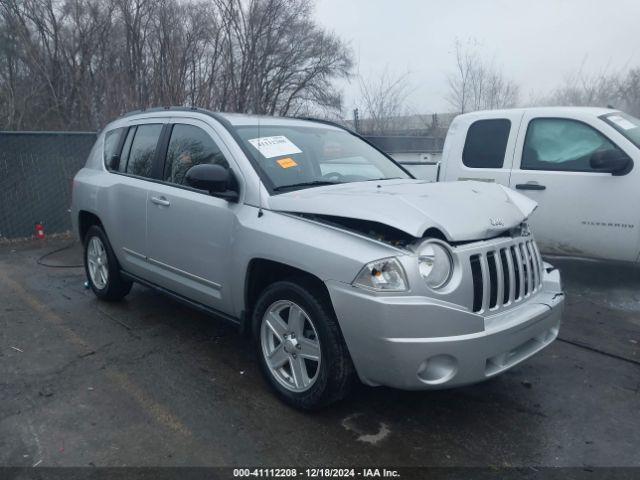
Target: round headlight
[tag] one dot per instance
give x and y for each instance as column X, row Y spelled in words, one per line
column 435, row 264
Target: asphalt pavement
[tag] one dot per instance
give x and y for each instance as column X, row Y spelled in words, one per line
column 150, row 382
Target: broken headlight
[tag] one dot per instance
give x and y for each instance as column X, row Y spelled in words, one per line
column 385, row 275
column 435, row 263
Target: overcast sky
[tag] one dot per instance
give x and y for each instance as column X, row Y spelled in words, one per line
column 537, row 43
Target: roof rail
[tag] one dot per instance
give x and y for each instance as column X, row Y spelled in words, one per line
column 327, row 122
column 164, row 109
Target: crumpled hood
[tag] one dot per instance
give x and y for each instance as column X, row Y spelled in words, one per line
column 462, row 211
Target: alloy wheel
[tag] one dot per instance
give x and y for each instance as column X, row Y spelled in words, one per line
column 290, row 346
column 97, row 262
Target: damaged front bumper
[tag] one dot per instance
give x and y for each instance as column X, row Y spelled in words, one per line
column 415, row 342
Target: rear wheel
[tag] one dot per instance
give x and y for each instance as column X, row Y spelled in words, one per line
column 301, row 349
column 101, row 267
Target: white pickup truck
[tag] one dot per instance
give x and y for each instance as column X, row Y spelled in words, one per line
column 577, row 163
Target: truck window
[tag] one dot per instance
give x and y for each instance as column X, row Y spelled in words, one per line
column 190, row 146
column 486, row 143
column 143, row 150
column 562, row 144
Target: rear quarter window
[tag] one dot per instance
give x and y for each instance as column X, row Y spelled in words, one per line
column 486, row 143
column 112, row 141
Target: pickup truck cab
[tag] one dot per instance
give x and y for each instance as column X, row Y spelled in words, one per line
column 333, row 257
column 581, row 165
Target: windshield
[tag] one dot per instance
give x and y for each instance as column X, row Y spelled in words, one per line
column 626, row 124
column 301, row 157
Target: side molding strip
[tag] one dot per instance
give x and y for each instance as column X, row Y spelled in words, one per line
column 191, row 276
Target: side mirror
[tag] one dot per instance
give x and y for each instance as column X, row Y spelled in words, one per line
column 215, row 179
column 615, row 162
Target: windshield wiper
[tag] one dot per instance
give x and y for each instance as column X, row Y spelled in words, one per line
column 315, row 183
column 378, row 179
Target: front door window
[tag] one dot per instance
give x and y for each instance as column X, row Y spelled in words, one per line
column 560, row 144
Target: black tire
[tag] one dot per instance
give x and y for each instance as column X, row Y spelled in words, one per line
column 336, row 372
column 116, row 287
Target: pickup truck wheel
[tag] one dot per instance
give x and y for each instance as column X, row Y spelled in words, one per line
column 301, row 349
column 102, row 268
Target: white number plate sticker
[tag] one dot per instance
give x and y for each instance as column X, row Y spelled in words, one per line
column 276, row 146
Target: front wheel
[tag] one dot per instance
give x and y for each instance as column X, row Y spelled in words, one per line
column 301, row 349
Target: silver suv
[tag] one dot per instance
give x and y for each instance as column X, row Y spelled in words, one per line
column 321, row 247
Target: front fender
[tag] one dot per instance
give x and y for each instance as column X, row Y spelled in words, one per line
column 325, row 252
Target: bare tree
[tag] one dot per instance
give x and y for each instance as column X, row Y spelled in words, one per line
column 477, row 84
column 383, row 99
column 628, row 89
column 280, row 61
column 74, row 64
column 582, row 88
column 460, row 81
column 618, row 89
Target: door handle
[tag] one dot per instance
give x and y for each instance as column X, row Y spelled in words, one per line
column 530, row 186
column 161, row 201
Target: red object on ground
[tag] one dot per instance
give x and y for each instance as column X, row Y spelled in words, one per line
column 40, row 231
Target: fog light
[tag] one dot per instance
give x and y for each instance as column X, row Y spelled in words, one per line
column 438, row 369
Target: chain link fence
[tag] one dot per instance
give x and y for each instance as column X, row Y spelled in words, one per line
column 36, row 170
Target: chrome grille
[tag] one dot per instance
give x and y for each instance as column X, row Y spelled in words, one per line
column 505, row 275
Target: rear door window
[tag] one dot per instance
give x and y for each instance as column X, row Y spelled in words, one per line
column 143, row 150
column 486, row 143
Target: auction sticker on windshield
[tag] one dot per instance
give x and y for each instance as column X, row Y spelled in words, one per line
column 276, row 146
column 287, row 162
